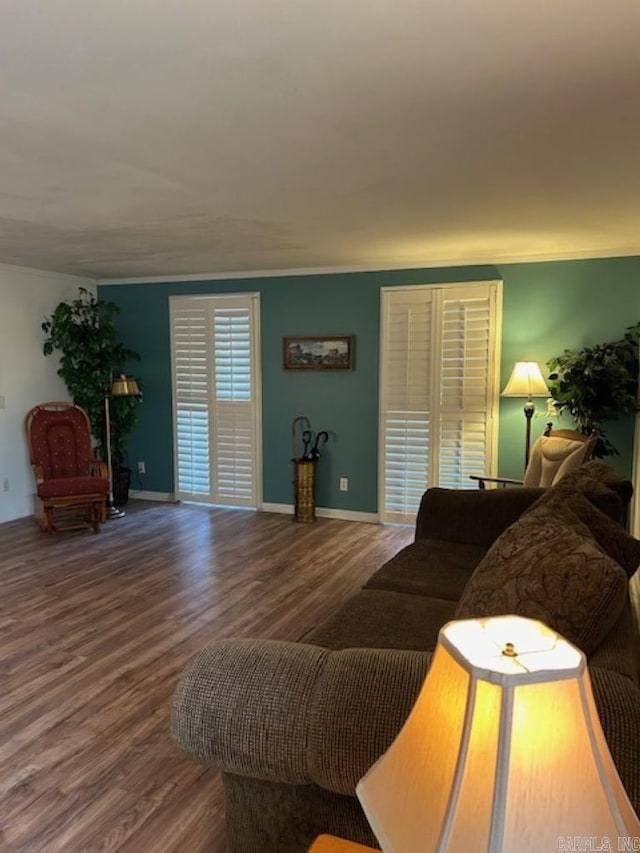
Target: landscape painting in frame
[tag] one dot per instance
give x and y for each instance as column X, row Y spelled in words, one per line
column 330, row 352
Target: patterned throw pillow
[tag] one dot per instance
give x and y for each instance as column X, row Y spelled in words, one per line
column 548, row 568
column 592, row 485
column 610, row 536
column 608, row 476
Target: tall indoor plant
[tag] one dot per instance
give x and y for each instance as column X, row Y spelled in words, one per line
column 83, row 331
column 598, row 384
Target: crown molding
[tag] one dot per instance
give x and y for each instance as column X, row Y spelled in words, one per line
column 432, row 263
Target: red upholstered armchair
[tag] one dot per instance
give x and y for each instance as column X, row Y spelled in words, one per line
column 67, row 474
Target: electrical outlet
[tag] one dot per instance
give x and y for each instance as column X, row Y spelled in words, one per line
column 344, row 484
column 5, row 484
column 142, row 468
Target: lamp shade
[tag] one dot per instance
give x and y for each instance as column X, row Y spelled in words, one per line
column 503, row 750
column 125, row 386
column 526, row 381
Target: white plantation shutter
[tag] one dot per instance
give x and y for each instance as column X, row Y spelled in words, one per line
column 216, row 400
column 233, row 428
column 406, row 391
column 192, row 386
column 468, row 386
column 439, row 391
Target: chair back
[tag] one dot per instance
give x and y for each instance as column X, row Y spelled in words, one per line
column 59, row 440
column 556, row 454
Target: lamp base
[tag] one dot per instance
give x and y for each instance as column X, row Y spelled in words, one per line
column 529, row 409
column 114, row 512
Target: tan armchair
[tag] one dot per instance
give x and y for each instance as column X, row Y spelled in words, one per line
column 553, row 455
column 66, row 472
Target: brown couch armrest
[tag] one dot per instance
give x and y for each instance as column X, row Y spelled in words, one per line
column 294, row 713
column 471, row 516
column 618, row 703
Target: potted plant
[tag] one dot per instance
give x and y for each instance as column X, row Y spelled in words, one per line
column 598, row 384
column 82, row 330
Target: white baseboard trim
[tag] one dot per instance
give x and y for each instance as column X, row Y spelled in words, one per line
column 325, row 512
column 141, row 495
column 283, row 509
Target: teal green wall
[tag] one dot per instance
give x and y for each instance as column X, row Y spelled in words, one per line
column 546, row 307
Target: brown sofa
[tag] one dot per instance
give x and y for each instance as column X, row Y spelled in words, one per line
column 293, row 726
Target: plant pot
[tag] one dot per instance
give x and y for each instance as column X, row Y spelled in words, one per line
column 121, row 482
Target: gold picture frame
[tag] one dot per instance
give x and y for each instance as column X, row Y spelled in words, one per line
column 318, row 352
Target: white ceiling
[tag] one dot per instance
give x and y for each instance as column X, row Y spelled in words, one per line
column 161, row 137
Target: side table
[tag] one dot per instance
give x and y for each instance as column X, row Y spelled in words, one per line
column 332, row 844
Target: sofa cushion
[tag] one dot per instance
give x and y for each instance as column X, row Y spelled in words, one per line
column 471, row 516
column 548, row 568
column 66, row 487
column 376, row 618
column 429, row 567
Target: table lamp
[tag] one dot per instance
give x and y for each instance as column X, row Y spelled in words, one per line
column 502, row 752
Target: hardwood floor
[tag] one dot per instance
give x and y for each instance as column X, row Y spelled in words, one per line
column 94, row 631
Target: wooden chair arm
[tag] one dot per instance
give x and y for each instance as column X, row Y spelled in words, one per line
column 38, row 473
column 503, row 481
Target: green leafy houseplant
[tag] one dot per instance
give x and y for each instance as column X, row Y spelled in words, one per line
column 82, row 330
column 598, row 384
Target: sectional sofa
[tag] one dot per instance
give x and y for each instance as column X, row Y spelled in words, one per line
column 293, row 726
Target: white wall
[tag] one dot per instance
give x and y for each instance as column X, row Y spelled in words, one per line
column 26, row 376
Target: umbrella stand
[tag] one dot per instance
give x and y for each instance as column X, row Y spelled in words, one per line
column 304, row 467
column 304, row 475
column 304, row 485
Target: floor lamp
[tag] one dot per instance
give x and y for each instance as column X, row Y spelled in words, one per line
column 526, row 381
column 122, row 386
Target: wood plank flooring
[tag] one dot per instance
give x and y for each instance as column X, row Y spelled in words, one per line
column 94, row 631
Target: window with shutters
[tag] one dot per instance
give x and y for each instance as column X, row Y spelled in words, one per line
column 216, row 401
column 439, row 375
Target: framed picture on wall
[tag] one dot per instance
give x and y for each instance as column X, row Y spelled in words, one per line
column 317, row 352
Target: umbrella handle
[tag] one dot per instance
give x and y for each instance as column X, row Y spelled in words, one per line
column 315, row 453
column 299, row 420
column 307, row 437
